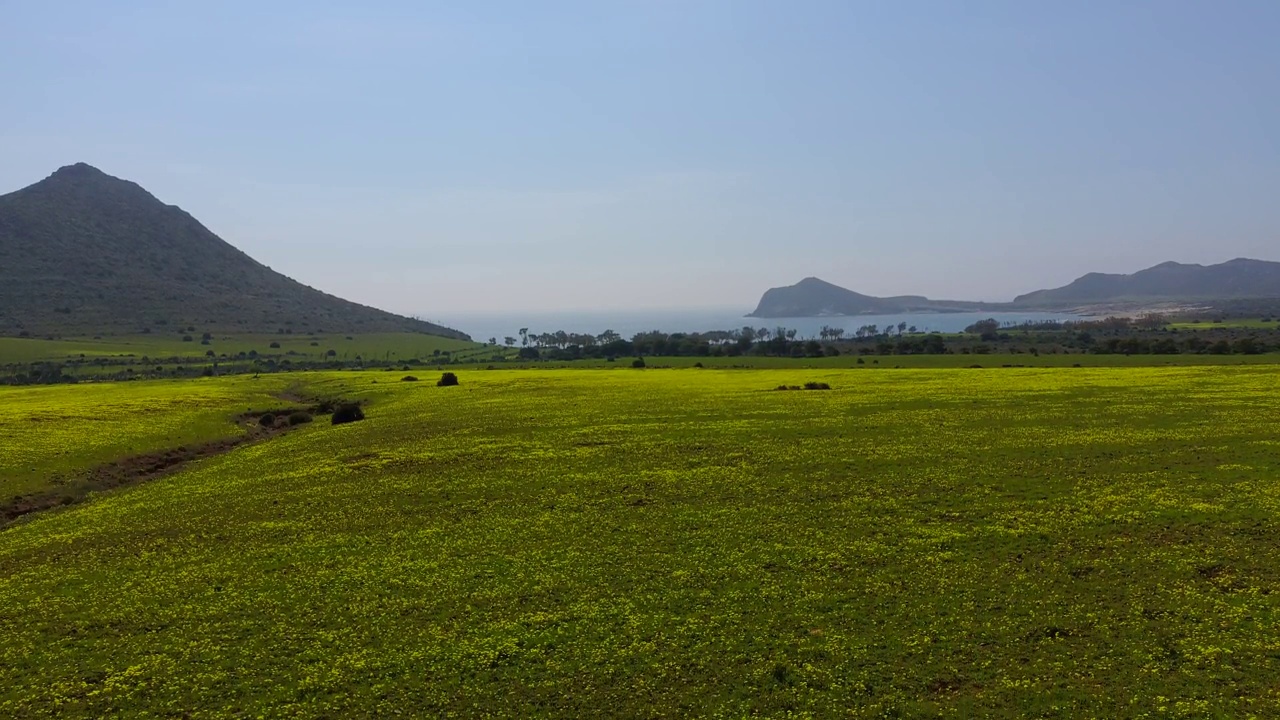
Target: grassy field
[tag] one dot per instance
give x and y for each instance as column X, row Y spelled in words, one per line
column 52, row 432
column 1247, row 323
column 1010, row 543
column 878, row 362
column 382, row 346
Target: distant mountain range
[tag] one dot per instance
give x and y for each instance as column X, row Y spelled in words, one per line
column 82, row 252
column 1167, row 282
column 1170, row 281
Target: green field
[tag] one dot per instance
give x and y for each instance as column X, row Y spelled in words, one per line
column 1081, row 542
column 52, row 432
column 956, row 360
column 380, row 346
column 1247, row 323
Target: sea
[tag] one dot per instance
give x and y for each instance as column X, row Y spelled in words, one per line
column 482, row 326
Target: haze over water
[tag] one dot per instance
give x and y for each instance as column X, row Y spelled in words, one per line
column 482, row 326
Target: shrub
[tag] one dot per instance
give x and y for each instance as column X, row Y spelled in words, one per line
column 267, row 420
column 275, row 345
column 697, row 364
column 187, row 338
column 299, row 418
column 446, row 380
column 637, row 363
column 346, row 413
column 408, row 378
column 816, row 386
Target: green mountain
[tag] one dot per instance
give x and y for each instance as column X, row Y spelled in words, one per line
column 812, row 297
column 1234, row 279
column 82, row 253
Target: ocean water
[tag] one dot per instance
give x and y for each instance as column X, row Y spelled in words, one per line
column 482, row 326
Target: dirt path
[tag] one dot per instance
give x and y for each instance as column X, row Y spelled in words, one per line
column 137, row 469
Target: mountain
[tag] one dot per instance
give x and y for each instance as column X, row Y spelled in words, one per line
column 82, row 253
column 1239, row 278
column 812, row 297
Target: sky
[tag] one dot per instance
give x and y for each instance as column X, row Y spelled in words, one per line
column 441, row 158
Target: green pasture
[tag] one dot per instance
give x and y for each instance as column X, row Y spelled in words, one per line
column 51, row 432
column 875, row 362
column 1248, row 323
column 380, row 346
column 1020, row 542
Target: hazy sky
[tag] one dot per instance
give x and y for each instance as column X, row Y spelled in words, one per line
column 436, row 158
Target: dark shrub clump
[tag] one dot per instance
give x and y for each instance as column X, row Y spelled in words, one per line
column 267, row 420
column 637, row 363
column 816, row 386
column 408, row 378
column 447, row 380
column 347, row 412
column 299, row 418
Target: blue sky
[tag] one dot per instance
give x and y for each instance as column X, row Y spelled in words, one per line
column 438, row 158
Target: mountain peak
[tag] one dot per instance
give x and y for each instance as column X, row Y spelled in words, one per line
column 83, row 252
column 77, row 170
column 80, row 174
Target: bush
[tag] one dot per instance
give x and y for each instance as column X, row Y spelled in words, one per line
column 187, row 338
column 267, row 420
column 275, row 345
column 816, row 386
column 408, row 378
column 347, row 412
column 697, row 364
column 299, row 418
column 637, row 363
column 446, row 380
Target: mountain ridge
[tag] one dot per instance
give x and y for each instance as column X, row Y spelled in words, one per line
column 83, row 252
column 1168, row 281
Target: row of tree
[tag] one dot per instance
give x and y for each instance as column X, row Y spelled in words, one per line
column 745, row 337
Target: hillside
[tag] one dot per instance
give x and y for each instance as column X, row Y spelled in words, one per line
column 82, row 253
column 1239, row 278
column 812, row 297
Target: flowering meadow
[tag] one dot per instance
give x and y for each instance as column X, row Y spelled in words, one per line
column 48, row 433
column 1011, row 542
